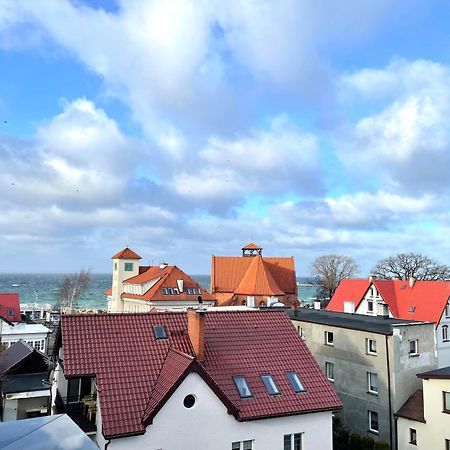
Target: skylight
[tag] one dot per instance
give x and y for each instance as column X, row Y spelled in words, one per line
column 270, row 385
column 295, row 382
column 160, row 332
column 242, row 387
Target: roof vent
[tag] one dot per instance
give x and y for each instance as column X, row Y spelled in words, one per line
column 163, row 265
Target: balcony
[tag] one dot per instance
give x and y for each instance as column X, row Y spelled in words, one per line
column 83, row 413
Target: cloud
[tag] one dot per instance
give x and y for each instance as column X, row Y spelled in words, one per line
column 406, row 142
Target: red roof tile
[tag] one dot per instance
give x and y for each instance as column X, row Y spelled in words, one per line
column 428, row 298
column 10, row 307
column 227, row 272
column 258, row 280
column 135, row 372
column 126, row 253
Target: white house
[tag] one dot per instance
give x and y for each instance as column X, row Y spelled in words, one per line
column 35, row 335
column 137, row 288
column 426, row 301
column 423, row 422
column 238, row 380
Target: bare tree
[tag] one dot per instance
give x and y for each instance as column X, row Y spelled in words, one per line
column 71, row 289
column 406, row 265
column 330, row 270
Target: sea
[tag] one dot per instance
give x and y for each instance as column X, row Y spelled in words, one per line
column 42, row 288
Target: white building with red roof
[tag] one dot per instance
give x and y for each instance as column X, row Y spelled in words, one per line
column 176, row 380
column 427, row 301
column 137, row 288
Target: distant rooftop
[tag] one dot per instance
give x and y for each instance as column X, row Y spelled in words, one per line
column 444, row 373
column 26, row 382
column 361, row 322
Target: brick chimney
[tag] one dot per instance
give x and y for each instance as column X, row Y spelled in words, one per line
column 412, row 280
column 196, row 330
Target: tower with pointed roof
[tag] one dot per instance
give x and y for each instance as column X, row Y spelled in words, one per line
column 125, row 265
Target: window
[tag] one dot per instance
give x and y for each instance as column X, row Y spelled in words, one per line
column 4, row 345
column 412, row 309
column 242, row 445
column 447, row 444
column 329, row 370
column 446, row 396
column 372, row 382
column 39, row 345
column 160, row 332
column 412, row 436
column 413, row 347
column 370, row 305
column 295, row 382
column 242, row 387
column 250, row 300
column 373, row 421
column 128, row 267
column 447, row 310
column 445, row 332
column 371, row 345
column 189, row 401
column 10, row 312
column 270, row 385
column 115, row 266
column 175, row 291
column 293, row 441
column 329, row 338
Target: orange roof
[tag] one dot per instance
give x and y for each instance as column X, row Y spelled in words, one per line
column 424, row 301
column 227, row 273
column 126, row 253
column 252, row 246
column 258, row 280
column 168, row 277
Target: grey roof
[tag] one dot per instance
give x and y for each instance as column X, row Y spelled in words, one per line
column 361, row 322
column 44, row 433
column 444, row 372
column 13, row 355
column 27, row 382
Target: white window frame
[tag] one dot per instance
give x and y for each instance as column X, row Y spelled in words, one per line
column 370, row 301
column 327, row 338
column 416, row 347
column 369, row 383
column 373, row 430
column 413, row 436
column 241, row 444
column 329, row 365
column 368, row 350
column 445, row 333
column 447, row 310
column 292, row 437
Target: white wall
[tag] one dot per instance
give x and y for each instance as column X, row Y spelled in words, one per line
column 208, row 426
column 443, row 348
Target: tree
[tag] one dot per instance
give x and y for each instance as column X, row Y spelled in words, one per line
column 406, row 265
column 330, row 270
column 71, row 289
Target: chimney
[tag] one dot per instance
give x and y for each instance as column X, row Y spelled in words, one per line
column 370, row 278
column 163, row 265
column 412, row 280
column 196, row 330
column 317, row 304
column 180, row 284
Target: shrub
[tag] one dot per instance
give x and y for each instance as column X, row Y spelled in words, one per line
column 355, row 442
column 367, row 443
column 381, row 445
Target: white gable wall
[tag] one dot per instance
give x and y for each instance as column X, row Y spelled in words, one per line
column 443, row 345
column 207, row 425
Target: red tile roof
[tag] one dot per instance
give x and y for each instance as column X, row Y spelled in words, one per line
column 258, row 280
column 135, row 372
column 427, row 297
column 9, row 303
column 126, row 253
column 413, row 407
column 168, row 277
column 251, row 246
column 227, row 272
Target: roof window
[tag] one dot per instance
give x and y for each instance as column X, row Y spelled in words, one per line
column 270, row 385
column 295, row 382
column 160, row 332
column 412, row 309
column 242, row 387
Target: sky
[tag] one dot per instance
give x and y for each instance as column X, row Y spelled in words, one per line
column 184, row 129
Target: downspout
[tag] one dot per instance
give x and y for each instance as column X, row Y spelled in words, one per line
column 389, row 392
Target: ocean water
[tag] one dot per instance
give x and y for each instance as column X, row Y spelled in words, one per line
column 43, row 288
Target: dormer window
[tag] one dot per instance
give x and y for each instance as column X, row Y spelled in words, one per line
column 295, row 382
column 160, row 332
column 242, row 387
column 270, row 385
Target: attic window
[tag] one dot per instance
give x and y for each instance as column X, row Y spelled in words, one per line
column 242, row 387
column 270, row 385
column 10, row 312
column 160, row 332
column 193, row 291
column 295, row 382
column 412, row 309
